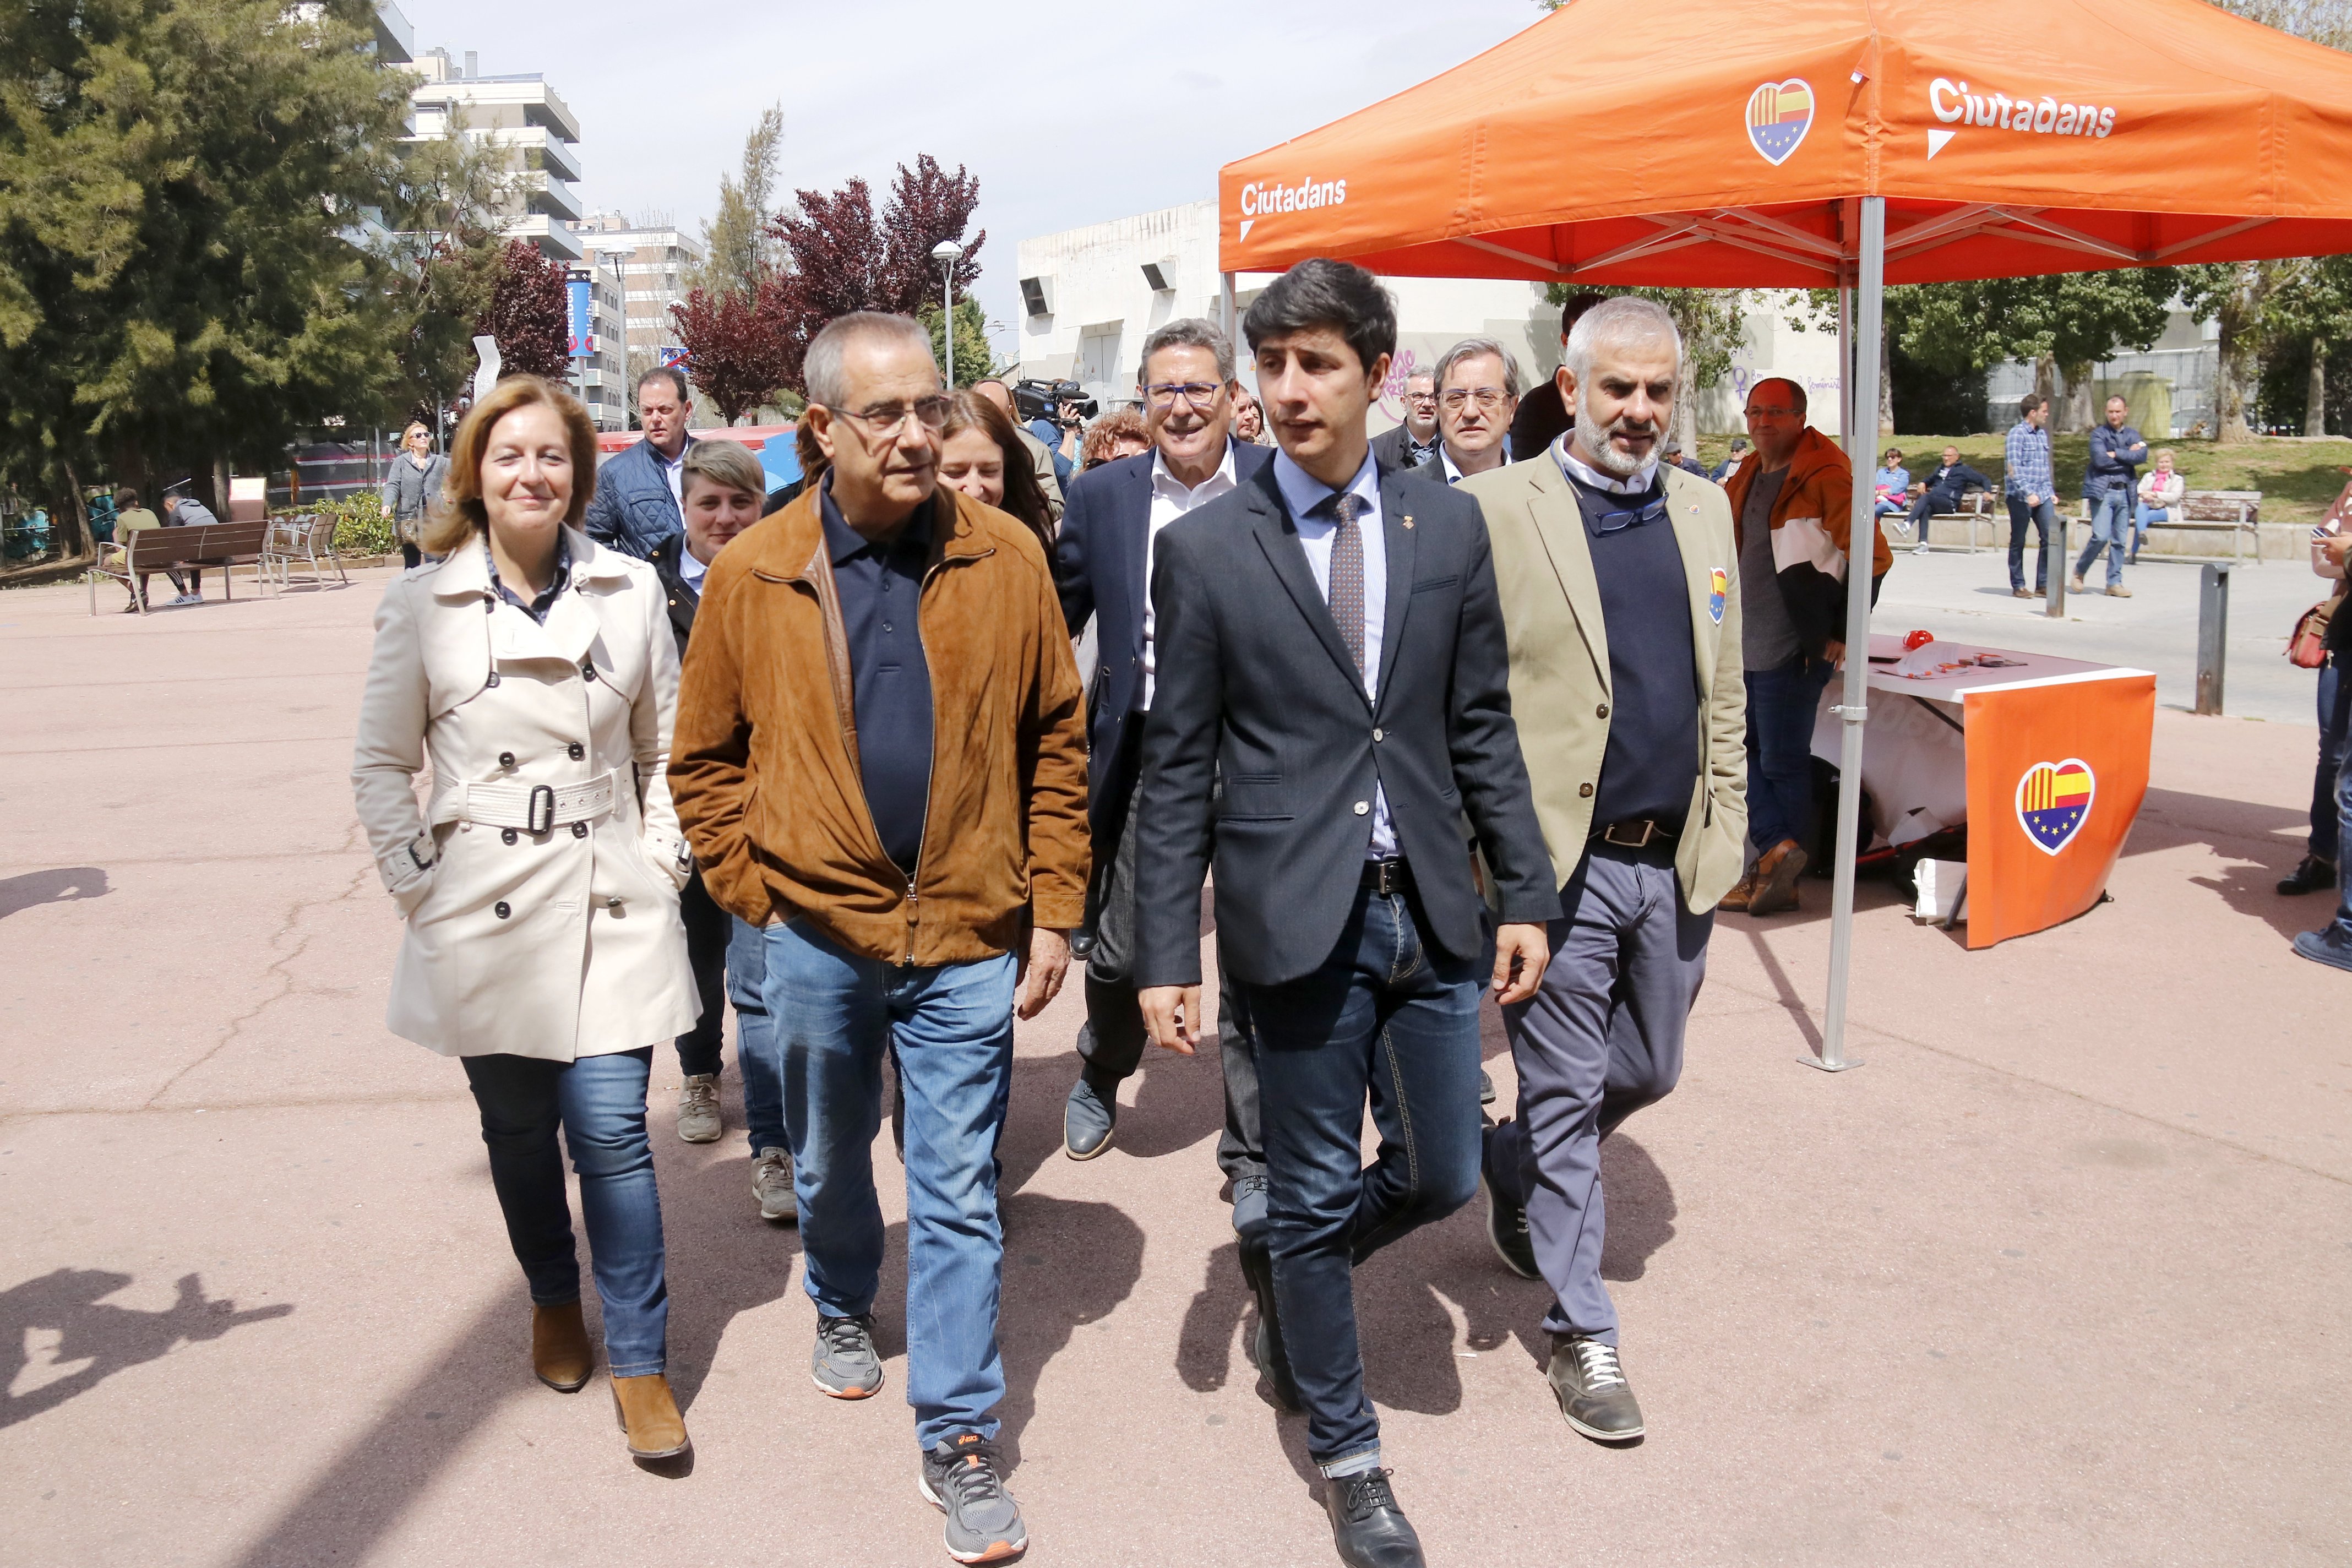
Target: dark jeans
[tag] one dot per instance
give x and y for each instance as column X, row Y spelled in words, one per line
column 2045, row 518
column 1783, row 703
column 2335, row 718
column 1383, row 1017
column 599, row 1102
column 2342, row 929
column 1111, row 1040
column 1925, row 507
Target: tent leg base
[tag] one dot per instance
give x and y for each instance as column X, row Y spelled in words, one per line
column 1846, row 1064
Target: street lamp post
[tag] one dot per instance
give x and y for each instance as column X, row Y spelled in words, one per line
column 947, row 253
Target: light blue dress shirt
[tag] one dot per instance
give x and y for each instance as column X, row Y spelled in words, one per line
column 1302, row 493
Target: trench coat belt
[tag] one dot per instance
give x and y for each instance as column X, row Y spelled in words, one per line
column 511, row 804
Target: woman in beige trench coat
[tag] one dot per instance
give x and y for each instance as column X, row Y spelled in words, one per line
column 535, row 671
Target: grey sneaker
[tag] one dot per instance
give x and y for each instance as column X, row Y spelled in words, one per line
column 845, row 1363
column 772, row 1184
column 959, row 1477
column 1591, row 1389
column 698, row 1118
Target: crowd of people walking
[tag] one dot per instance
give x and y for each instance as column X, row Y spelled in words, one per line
column 1450, row 718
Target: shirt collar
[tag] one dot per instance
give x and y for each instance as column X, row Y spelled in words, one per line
column 1303, row 492
column 537, row 608
column 1161, row 476
column 842, row 541
column 1453, row 470
column 1576, row 468
column 691, row 569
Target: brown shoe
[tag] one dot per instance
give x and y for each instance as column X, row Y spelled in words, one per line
column 1776, row 879
column 1741, row 891
column 2022, row 594
column 648, row 1414
column 560, row 1351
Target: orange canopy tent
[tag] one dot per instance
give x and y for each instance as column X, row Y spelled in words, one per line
column 1836, row 143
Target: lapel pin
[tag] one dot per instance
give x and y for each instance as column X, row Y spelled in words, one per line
column 1408, row 519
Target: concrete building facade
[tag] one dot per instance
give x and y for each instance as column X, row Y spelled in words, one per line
column 654, row 259
column 526, row 119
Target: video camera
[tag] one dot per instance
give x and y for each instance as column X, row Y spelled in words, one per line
column 1045, row 400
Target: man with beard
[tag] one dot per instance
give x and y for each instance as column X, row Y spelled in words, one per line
column 1615, row 573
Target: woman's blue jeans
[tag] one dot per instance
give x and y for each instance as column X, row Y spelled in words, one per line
column 599, row 1102
column 835, row 1015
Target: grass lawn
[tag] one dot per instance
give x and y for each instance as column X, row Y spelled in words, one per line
column 2298, row 479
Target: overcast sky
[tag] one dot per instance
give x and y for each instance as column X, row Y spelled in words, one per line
column 1069, row 114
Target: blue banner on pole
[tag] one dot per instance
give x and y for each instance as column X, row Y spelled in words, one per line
column 583, row 333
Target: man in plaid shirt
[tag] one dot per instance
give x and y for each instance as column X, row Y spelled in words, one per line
column 2030, row 490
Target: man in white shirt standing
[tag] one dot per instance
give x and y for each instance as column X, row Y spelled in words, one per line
column 1477, row 397
column 1102, row 565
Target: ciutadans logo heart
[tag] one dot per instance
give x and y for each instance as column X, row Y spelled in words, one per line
column 2054, row 801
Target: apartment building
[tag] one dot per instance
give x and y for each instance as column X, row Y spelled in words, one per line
column 654, row 259
column 521, row 115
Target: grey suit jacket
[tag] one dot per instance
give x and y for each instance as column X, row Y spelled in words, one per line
column 1560, row 663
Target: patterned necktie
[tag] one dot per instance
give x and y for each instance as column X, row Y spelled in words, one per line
column 1348, row 573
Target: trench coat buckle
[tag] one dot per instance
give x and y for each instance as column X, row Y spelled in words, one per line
column 538, row 817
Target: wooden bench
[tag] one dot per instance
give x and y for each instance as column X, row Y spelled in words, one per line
column 2237, row 513
column 146, row 550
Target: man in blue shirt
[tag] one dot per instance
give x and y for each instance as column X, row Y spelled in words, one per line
column 2027, row 486
column 2109, row 484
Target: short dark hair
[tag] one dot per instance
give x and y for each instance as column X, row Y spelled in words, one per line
column 1321, row 292
column 1794, row 390
column 668, row 372
column 2028, row 404
column 1576, row 307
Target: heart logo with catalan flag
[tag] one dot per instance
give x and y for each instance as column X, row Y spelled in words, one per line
column 1718, row 588
column 2054, row 801
column 1779, row 115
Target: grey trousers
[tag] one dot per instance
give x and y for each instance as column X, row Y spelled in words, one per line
column 1600, row 1038
column 1111, row 1040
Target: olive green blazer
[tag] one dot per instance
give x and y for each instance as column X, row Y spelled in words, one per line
column 1560, row 663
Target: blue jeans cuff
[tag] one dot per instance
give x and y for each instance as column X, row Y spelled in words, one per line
column 1354, row 1464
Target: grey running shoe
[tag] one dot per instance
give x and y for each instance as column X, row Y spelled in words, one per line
column 698, row 1119
column 772, row 1184
column 1506, row 1228
column 959, row 1477
column 1485, row 1087
column 1591, row 1389
column 1088, row 1119
column 845, row 1362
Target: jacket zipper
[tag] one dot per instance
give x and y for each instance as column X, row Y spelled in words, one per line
column 914, row 898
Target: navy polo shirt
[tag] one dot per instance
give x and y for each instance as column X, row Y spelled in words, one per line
column 880, row 586
column 1652, row 764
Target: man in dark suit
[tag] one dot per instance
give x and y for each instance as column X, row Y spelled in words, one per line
column 1414, row 442
column 1332, row 649
column 637, row 503
column 1543, row 413
column 1102, row 567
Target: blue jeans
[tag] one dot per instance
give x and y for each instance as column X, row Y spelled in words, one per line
column 2341, row 928
column 838, row 1014
column 2111, row 531
column 1384, row 1016
column 599, row 1104
column 2335, row 721
column 755, row 1036
column 2145, row 514
column 2044, row 519
column 1783, row 703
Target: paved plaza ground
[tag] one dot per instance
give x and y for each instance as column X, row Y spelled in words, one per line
column 2060, row 1276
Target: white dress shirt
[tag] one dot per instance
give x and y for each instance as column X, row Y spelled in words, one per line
column 1170, row 501
column 1303, row 492
column 691, row 571
column 1577, row 467
column 1453, row 474
column 674, row 471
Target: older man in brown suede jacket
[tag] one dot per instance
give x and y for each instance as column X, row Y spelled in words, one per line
column 880, row 760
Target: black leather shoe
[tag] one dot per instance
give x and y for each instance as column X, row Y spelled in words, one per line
column 1591, row 1389
column 1367, row 1526
column 1088, row 1119
column 2327, row 946
column 1506, row 1228
column 2310, row 875
column 1266, row 1351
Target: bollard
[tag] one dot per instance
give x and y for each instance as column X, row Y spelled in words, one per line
column 2055, row 553
column 2212, row 636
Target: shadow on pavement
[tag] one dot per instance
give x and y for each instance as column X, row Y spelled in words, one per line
column 1792, row 1002
column 2232, row 827
column 1068, row 1265
column 65, row 1340
column 66, row 884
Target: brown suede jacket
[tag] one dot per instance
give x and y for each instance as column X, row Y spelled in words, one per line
column 764, row 767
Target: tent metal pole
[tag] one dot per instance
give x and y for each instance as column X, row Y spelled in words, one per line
column 1225, row 307
column 1863, row 324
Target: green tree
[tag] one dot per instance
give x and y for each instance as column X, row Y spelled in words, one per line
column 738, row 248
column 974, row 360
column 443, row 258
column 182, row 186
column 1712, row 322
column 2063, row 324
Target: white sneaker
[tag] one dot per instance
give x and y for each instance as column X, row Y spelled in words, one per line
column 698, row 1117
column 772, row 1184
column 189, row 599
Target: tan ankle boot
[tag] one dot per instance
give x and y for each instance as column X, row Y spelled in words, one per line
column 649, row 1416
column 560, row 1351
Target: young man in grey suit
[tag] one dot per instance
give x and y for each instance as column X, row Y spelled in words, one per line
column 1331, row 701
column 1621, row 597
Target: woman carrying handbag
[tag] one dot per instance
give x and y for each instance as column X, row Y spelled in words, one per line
column 535, row 672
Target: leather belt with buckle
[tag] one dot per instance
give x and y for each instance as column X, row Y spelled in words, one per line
column 1387, row 877
column 1633, row 833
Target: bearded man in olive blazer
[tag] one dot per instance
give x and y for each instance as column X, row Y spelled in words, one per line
column 1621, row 603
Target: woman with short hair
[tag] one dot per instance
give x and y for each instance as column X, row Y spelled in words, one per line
column 1121, row 433
column 981, row 454
column 412, row 487
column 535, row 672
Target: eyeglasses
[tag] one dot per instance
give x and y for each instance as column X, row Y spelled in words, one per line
column 1770, row 413
column 1421, row 397
column 1167, row 394
column 1611, row 522
column 1487, row 397
column 932, row 411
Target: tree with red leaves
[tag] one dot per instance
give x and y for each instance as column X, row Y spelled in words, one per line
column 530, row 315
column 843, row 259
column 738, row 350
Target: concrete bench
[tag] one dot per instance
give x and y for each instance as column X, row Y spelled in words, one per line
column 2237, row 513
column 146, row 550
